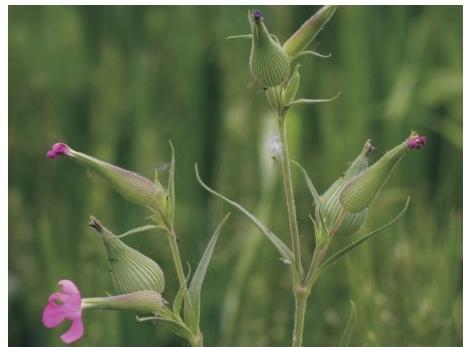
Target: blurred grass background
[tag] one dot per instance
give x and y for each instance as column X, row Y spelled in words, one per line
column 119, row 82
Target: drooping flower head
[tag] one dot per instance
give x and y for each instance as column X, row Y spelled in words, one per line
column 65, row 305
column 59, row 149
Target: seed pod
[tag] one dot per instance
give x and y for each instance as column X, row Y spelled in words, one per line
column 308, row 31
column 132, row 186
column 329, row 209
column 360, row 191
column 292, row 87
column 269, row 63
column 130, row 270
column 144, row 301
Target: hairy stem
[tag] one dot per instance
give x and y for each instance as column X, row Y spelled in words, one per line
column 289, row 191
column 301, row 295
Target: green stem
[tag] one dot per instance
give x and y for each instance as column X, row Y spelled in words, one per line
column 289, row 191
column 301, row 295
column 176, row 255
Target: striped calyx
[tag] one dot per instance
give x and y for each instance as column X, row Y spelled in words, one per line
column 143, row 301
column 330, row 209
column 132, row 186
column 130, row 270
column 269, row 63
column 360, row 192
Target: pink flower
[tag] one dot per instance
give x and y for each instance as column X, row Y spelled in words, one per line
column 416, row 141
column 59, row 149
column 66, row 304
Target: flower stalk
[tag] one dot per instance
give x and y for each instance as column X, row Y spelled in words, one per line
column 289, row 192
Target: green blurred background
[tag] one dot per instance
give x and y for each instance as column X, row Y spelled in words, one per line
column 119, row 82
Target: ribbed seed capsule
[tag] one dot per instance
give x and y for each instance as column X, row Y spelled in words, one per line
column 131, row 271
column 330, row 209
column 144, row 301
column 269, row 63
column 360, row 192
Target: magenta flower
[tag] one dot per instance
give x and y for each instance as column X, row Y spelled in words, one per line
column 257, row 16
column 58, row 149
column 66, row 304
column 416, row 141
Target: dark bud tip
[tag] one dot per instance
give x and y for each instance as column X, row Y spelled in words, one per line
column 257, row 16
column 416, row 141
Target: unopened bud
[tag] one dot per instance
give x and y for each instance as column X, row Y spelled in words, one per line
column 330, row 209
column 274, row 95
column 360, row 192
column 292, row 87
column 144, row 301
column 269, row 63
column 308, row 31
column 130, row 270
column 132, row 186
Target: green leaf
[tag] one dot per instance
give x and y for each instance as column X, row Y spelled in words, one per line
column 139, row 230
column 246, row 36
column 171, row 194
column 276, row 241
column 308, row 181
column 349, row 329
column 313, row 101
column 195, row 287
column 335, row 257
column 312, row 53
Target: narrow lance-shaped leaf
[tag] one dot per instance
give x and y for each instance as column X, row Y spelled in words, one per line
column 308, row 181
column 195, row 287
column 350, row 326
column 276, row 241
column 313, row 101
column 139, row 230
column 171, row 193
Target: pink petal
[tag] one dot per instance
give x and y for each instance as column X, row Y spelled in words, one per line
column 74, row 333
column 52, row 316
column 69, row 287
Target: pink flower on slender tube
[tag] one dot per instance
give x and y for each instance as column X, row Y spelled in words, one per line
column 66, row 304
column 58, row 149
column 416, row 141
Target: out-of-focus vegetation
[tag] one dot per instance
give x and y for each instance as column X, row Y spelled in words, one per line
column 119, row 82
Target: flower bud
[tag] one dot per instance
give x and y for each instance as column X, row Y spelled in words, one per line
column 143, row 301
column 292, row 87
column 308, row 31
column 269, row 63
column 274, row 96
column 360, row 192
column 130, row 270
column 135, row 188
column 329, row 209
